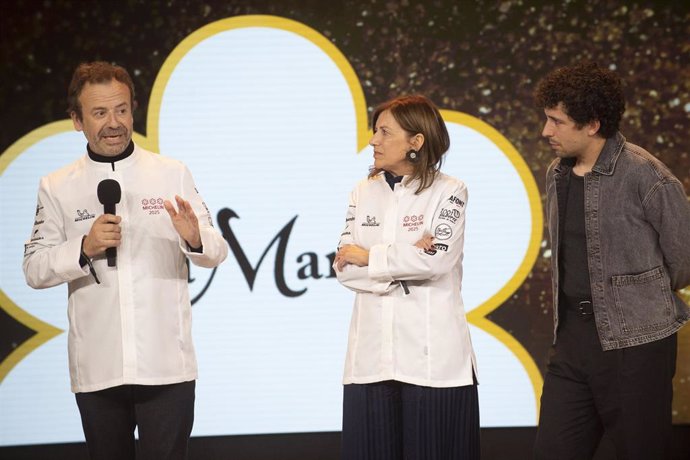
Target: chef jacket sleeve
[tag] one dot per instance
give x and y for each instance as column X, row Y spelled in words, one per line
column 403, row 261
column 351, row 276
column 49, row 257
column 214, row 248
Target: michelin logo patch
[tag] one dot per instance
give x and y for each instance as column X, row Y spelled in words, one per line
column 83, row 215
column 413, row 222
column 371, row 222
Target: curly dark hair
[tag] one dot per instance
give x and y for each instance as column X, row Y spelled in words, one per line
column 588, row 93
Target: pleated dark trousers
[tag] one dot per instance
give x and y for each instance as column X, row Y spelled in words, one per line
column 398, row 421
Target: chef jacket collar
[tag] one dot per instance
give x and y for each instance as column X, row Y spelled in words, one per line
column 98, row 158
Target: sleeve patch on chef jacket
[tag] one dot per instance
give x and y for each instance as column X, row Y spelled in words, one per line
column 443, row 232
column 456, row 201
column 451, row 215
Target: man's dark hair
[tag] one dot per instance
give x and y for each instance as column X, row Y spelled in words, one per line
column 588, row 93
column 95, row 72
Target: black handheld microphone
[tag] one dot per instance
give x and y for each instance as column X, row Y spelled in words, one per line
column 109, row 194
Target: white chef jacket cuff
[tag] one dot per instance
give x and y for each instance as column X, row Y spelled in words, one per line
column 378, row 263
column 67, row 260
column 186, row 249
column 213, row 249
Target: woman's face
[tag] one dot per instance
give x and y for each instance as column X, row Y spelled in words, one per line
column 391, row 144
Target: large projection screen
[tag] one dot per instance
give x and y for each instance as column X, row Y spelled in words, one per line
column 271, row 116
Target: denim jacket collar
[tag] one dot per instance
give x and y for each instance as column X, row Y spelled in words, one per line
column 608, row 157
column 606, row 163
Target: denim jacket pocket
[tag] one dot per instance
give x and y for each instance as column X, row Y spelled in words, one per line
column 644, row 301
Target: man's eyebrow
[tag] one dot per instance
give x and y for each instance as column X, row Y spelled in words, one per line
column 123, row 104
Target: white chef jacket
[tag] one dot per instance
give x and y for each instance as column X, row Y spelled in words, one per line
column 134, row 327
column 422, row 337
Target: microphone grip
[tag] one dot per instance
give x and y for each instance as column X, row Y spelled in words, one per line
column 110, row 253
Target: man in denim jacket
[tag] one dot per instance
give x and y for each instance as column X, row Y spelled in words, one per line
column 619, row 223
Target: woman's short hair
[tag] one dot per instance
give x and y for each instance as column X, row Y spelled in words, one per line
column 418, row 115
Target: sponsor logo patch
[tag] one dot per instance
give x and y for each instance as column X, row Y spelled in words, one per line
column 371, row 222
column 456, row 201
column 152, row 205
column 208, row 213
column 83, row 214
column 443, row 232
column 451, row 215
column 413, row 222
column 437, row 247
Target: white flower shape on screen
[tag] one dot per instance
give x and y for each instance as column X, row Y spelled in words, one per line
column 271, row 120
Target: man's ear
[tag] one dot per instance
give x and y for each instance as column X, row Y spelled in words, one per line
column 76, row 121
column 593, row 127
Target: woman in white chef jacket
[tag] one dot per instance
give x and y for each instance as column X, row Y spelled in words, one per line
column 409, row 386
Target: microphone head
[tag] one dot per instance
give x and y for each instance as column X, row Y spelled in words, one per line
column 109, row 191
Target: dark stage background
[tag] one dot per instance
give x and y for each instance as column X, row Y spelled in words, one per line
column 481, row 58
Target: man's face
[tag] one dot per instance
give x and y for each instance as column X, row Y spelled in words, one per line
column 565, row 138
column 106, row 117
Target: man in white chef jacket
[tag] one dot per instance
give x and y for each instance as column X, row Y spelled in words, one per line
column 131, row 356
